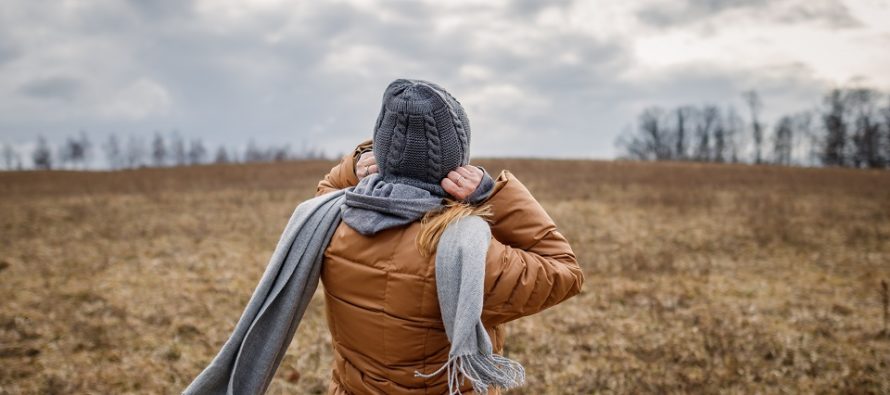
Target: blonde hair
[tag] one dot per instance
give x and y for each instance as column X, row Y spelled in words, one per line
column 434, row 223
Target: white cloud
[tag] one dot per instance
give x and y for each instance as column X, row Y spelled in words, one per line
column 138, row 100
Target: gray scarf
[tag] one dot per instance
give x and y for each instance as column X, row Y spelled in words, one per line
column 374, row 205
column 249, row 358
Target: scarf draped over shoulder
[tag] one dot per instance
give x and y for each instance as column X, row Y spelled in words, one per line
column 248, row 360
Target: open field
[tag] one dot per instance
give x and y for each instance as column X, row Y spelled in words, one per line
column 700, row 278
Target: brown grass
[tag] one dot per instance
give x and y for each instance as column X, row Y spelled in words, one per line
column 700, row 278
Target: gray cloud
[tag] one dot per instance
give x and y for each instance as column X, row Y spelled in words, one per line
column 833, row 14
column 684, row 12
column 830, row 13
column 8, row 52
column 530, row 8
column 57, row 87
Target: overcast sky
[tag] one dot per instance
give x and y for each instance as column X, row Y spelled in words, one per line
column 557, row 80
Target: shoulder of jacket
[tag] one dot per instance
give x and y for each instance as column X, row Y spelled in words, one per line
column 504, row 178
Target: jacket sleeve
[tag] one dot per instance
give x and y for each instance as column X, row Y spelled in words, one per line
column 530, row 265
column 342, row 175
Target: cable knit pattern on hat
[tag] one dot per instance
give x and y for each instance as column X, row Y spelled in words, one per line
column 433, row 144
column 422, row 133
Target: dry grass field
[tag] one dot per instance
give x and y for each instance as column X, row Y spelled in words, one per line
column 700, row 278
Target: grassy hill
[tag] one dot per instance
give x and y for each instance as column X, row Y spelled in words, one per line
column 700, row 278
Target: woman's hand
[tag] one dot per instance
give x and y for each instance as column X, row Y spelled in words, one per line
column 461, row 182
column 366, row 165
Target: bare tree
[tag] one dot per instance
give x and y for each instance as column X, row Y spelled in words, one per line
column 683, row 116
column 886, row 115
column 866, row 136
column 733, row 132
column 630, row 146
column 64, row 153
column 75, row 151
column 136, row 152
column 280, row 154
column 42, row 155
column 834, row 120
column 253, row 153
column 782, row 140
column 87, row 146
column 10, row 157
column 222, row 156
column 158, row 150
column 113, row 152
column 703, row 130
column 721, row 143
column 197, row 153
column 805, row 139
column 177, row 150
column 652, row 125
column 754, row 106
column 651, row 139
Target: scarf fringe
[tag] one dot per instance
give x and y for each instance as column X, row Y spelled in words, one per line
column 482, row 371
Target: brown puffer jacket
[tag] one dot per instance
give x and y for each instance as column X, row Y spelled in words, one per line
column 380, row 293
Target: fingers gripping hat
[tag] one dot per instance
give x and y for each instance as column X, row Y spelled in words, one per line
column 421, row 134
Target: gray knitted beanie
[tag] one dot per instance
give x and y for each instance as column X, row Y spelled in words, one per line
column 422, row 133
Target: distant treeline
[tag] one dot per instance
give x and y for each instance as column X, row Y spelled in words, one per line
column 850, row 128
column 79, row 152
